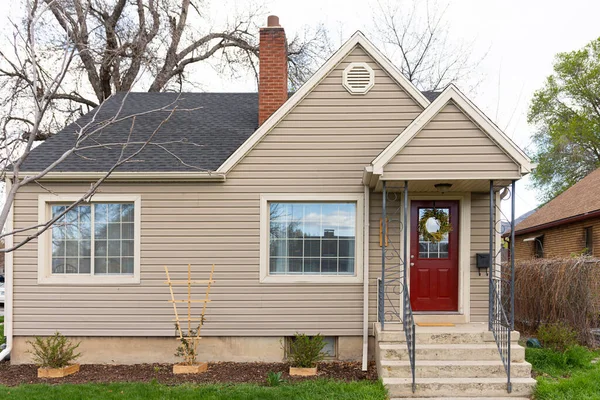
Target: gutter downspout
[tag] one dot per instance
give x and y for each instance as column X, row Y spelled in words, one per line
column 8, row 281
column 366, row 215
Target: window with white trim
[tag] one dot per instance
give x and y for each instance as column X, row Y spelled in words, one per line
column 312, row 238
column 93, row 239
column 93, row 243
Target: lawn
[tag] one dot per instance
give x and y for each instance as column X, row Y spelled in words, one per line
column 305, row 390
column 565, row 376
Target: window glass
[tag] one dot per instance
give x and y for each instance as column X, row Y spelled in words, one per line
column 427, row 248
column 94, row 239
column 312, row 238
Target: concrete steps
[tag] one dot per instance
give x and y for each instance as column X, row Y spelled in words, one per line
column 460, row 362
column 472, row 352
column 465, row 387
column 453, row 369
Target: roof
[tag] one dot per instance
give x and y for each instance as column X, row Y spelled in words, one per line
column 214, row 132
column 579, row 200
column 505, row 229
column 207, row 128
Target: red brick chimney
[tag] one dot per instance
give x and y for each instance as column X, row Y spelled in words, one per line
column 273, row 72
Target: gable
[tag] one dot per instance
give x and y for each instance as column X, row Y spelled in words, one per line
column 451, row 146
column 332, row 134
column 325, row 88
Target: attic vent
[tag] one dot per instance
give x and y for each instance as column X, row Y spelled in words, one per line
column 358, row 78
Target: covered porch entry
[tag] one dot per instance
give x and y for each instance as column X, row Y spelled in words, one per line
column 443, row 294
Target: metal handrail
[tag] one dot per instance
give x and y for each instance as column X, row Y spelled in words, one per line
column 501, row 322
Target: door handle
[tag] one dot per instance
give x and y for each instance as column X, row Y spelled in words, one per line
column 412, row 264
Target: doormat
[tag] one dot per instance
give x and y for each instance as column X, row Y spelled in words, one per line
column 435, row 324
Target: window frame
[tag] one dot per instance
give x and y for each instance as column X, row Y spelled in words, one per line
column 265, row 277
column 45, row 275
column 588, row 238
column 538, row 247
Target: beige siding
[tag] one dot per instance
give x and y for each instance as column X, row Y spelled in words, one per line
column 322, row 146
column 480, row 239
column 451, row 146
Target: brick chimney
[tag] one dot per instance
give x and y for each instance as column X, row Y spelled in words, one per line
column 273, row 72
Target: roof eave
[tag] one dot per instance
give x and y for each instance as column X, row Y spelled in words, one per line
column 563, row 221
column 122, row 176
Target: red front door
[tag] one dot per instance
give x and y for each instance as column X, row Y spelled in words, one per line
column 434, row 266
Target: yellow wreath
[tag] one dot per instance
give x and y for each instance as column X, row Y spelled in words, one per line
column 442, row 219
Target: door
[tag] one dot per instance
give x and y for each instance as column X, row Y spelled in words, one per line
column 434, row 265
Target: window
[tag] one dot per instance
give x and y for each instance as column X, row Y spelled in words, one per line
column 427, row 248
column 538, row 249
column 311, row 239
column 589, row 240
column 91, row 243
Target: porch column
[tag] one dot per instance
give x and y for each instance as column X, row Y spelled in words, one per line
column 405, row 230
column 383, row 237
column 512, row 256
column 491, row 250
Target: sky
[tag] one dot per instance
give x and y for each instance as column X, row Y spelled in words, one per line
column 519, row 39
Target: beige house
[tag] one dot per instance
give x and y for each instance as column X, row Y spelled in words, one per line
column 356, row 210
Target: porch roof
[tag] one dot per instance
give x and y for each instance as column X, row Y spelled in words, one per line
column 450, row 141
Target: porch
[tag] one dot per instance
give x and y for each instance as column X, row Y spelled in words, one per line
column 444, row 304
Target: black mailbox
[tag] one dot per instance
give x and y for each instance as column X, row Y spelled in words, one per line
column 482, row 261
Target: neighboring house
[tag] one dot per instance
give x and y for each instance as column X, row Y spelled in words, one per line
column 567, row 225
column 288, row 206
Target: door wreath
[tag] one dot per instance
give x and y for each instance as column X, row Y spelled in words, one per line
column 442, row 220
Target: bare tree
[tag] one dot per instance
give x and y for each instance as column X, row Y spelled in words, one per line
column 41, row 84
column 416, row 36
column 143, row 45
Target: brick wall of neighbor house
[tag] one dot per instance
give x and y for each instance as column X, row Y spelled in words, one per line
column 560, row 241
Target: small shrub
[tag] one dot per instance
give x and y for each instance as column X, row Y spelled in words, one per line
column 188, row 348
column 558, row 337
column 274, row 378
column 306, row 351
column 53, row 352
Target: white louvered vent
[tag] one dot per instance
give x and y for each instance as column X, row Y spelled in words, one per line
column 358, row 78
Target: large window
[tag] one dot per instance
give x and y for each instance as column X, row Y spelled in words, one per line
column 91, row 243
column 104, row 230
column 311, row 238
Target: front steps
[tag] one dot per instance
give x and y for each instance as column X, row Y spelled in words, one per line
column 451, row 363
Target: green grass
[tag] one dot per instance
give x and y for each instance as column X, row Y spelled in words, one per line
column 306, row 390
column 565, row 376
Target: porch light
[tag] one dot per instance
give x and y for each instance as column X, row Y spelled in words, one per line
column 443, row 187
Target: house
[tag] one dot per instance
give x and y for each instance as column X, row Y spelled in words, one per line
column 567, row 225
column 311, row 209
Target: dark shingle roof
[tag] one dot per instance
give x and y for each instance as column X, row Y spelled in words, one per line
column 218, row 124
column 580, row 199
column 208, row 128
column 431, row 95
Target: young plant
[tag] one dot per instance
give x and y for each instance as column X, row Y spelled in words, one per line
column 188, row 348
column 274, row 378
column 306, row 351
column 54, row 351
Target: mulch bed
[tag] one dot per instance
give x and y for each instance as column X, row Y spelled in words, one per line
column 223, row 372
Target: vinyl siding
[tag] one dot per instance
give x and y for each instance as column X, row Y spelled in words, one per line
column 451, row 146
column 480, row 239
column 322, row 146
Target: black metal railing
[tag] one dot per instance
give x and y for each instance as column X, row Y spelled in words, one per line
column 501, row 283
column 393, row 283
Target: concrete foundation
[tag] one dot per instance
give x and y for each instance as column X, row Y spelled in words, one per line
column 140, row 350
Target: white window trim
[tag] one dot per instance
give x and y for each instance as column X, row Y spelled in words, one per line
column 357, row 277
column 45, row 276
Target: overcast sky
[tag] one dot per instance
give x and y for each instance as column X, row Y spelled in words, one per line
column 520, row 38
